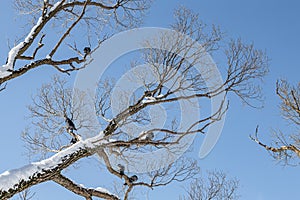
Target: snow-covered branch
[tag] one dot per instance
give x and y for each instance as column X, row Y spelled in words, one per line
column 17, row 180
column 49, row 12
column 177, row 80
column 19, row 49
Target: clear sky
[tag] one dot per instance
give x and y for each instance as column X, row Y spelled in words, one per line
column 272, row 25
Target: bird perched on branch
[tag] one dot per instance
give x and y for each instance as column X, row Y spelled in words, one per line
column 121, row 169
column 73, row 140
column 87, row 51
column 70, row 126
column 147, row 136
column 132, row 179
column 148, row 93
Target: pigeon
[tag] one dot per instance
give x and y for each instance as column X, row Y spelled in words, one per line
column 87, row 50
column 69, row 124
column 121, row 169
column 132, row 179
column 148, row 93
column 73, row 140
column 149, row 136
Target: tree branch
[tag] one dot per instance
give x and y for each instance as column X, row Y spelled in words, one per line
column 17, row 180
column 69, row 29
column 88, row 193
column 280, row 149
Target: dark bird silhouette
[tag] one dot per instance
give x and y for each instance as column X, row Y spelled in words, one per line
column 69, row 124
column 149, row 136
column 148, row 93
column 121, row 169
column 87, row 50
column 73, row 140
column 132, row 179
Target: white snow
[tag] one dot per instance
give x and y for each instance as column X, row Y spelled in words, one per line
column 30, row 35
column 148, row 99
column 10, row 178
column 55, row 6
column 15, row 50
column 10, row 60
column 112, row 140
column 79, row 137
column 144, row 135
column 152, row 99
column 160, row 96
column 4, row 72
column 100, row 189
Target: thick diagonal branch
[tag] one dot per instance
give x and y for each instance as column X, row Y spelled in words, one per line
column 35, row 64
column 88, row 193
column 42, row 171
column 17, row 52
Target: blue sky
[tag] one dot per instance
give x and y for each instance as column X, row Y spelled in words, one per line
column 271, row 25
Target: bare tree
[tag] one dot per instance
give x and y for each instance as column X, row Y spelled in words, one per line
column 176, row 75
column 66, row 18
column 26, row 195
column 52, row 104
column 217, row 186
column 286, row 146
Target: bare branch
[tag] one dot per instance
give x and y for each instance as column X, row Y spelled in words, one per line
column 26, row 195
column 283, row 152
column 69, row 29
column 174, row 66
column 88, row 193
column 286, row 146
column 48, row 132
column 217, row 186
column 245, row 63
column 40, row 45
column 61, row 12
column 290, row 100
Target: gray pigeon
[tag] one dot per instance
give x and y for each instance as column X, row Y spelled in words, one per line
column 69, row 124
column 121, row 169
column 87, row 50
column 132, row 179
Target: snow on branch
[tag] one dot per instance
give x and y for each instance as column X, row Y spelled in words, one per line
column 14, row 52
column 16, row 180
column 22, row 46
column 150, row 99
column 9, row 70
